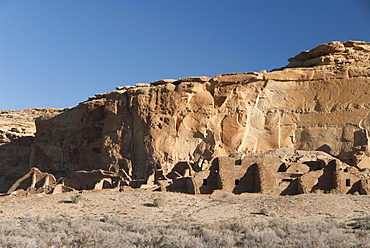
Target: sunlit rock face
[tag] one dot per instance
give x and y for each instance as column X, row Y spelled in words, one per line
column 315, row 103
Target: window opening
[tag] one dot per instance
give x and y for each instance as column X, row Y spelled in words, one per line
column 282, row 168
column 348, row 182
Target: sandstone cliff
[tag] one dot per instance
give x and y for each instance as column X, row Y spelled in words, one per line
column 17, row 131
column 315, row 103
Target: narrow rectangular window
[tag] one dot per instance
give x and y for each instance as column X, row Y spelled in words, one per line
column 348, row 182
column 238, row 162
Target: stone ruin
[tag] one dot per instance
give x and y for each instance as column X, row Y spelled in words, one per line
column 283, row 171
column 37, row 182
column 298, row 129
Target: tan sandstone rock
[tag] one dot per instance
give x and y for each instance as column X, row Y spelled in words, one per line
column 195, row 119
column 17, row 130
column 317, row 103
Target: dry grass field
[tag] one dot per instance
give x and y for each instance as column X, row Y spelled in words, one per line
column 110, row 218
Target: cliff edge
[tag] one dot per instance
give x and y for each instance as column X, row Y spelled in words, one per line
column 315, row 103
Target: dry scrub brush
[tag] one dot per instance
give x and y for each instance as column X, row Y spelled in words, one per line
column 112, row 231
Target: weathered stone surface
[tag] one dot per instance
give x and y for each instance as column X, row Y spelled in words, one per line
column 194, row 79
column 17, row 130
column 21, row 123
column 163, row 81
column 142, row 85
column 144, row 129
column 94, row 180
column 316, row 103
column 282, row 171
column 350, row 52
column 34, row 181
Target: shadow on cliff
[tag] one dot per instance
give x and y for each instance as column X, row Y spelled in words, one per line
column 325, row 148
column 14, row 160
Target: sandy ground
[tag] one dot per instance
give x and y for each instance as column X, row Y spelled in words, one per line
column 138, row 206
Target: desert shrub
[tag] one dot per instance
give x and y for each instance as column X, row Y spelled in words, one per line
column 158, row 202
column 75, row 198
column 112, row 231
column 264, row 211
column 362, row 223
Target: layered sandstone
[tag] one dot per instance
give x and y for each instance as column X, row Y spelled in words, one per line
column 17, row 131
column 317, row 102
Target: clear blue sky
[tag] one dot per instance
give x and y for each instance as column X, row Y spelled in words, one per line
column 57, row 53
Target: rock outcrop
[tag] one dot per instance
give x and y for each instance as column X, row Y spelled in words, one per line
column 195, row 119
column 316, row 103
column 17, row 131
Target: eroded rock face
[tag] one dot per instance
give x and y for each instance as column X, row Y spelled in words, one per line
column 333, row 53
column 316, row 103
column 17, row 130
